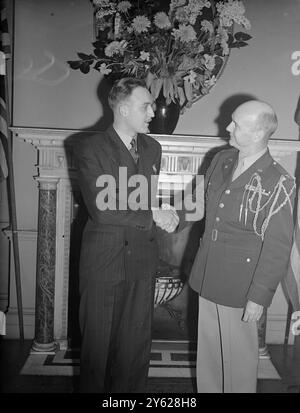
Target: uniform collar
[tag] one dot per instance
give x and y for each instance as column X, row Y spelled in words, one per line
column 258, row 166
column 249, row 160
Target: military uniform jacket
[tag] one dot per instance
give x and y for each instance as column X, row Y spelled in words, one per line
column 244, row 252
column 117, row 244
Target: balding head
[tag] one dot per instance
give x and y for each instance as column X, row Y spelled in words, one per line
column 252, row 124
column 261, row 115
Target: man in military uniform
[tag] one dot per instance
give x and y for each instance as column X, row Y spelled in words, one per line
column 244, row 252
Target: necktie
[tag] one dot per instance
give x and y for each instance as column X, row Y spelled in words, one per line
column 239, row 169
column 133, row 150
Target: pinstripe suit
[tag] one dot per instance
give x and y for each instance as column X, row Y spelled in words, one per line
column 119, row 257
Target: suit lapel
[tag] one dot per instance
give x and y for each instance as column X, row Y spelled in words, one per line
column 120, row 155
column 144, row 160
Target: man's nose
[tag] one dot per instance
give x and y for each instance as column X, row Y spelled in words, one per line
column 151, row 112
column 229, row 127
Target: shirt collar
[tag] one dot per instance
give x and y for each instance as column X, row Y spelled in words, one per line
column 249, row 160
column 125, row 138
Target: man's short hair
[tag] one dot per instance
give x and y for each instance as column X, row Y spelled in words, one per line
column 122, row 89
column 267, row 122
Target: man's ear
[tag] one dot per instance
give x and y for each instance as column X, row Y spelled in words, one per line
column 123, row 109
column 259, row 135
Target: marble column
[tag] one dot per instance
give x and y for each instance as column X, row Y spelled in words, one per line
column 45, row 275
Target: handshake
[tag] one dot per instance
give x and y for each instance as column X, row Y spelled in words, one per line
column 166, row 217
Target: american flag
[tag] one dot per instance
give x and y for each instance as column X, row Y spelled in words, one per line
column 4, row 54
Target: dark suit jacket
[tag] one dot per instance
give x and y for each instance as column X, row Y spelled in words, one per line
column 117, row 244
column 233, row 263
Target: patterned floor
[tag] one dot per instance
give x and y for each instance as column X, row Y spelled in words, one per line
column 168, row 359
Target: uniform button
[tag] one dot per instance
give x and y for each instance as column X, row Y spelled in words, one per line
column 221, row 205
column 217, row 219
column 227, row 192
column 248, row 259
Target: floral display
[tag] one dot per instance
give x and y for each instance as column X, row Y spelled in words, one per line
column 178, row 46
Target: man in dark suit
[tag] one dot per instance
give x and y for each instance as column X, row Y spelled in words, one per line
column 119, row 254
column 244, row 252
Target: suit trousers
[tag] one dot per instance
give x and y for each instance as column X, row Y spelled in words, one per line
column 115, row 322
column 227, row 353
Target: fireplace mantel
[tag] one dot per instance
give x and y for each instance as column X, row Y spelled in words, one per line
column 182, row 154
column 56, row 177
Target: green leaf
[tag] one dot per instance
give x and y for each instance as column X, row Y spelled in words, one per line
column 97, row 44
column 241, row 36
column 149, row 79
column 98, row 52
column 242, row 44
column 238, row 44
column 74, row 64
column 181, row 96
column 85, row 67
column 156, row 87
column 84, row 56
column 168, row 89
column 188, row 89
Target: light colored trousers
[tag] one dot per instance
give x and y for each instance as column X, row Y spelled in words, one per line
column 227, row 353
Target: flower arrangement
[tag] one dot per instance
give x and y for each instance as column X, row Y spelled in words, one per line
column 178, row 46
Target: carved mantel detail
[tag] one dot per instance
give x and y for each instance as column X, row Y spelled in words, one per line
column 182, row 155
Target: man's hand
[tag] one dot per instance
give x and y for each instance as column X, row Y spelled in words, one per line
column 166, row 219
column 252, row 312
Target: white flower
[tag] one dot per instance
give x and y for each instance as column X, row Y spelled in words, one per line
column 145, row 55
column 210, row 62
column 182, row 16
column 161, row 20
column 210, row 82
column 141, row 24
column 194, row 9
column 176, row 3
column 102, row 13
column 225, row 47
column 207, row 26
column 124, row 6
column 200, row 48
column 185, row 33
column 191, row 77
column 104, row 69
column 233, row 11
column 115, row 48
column 104, row 8
column 101, row 3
